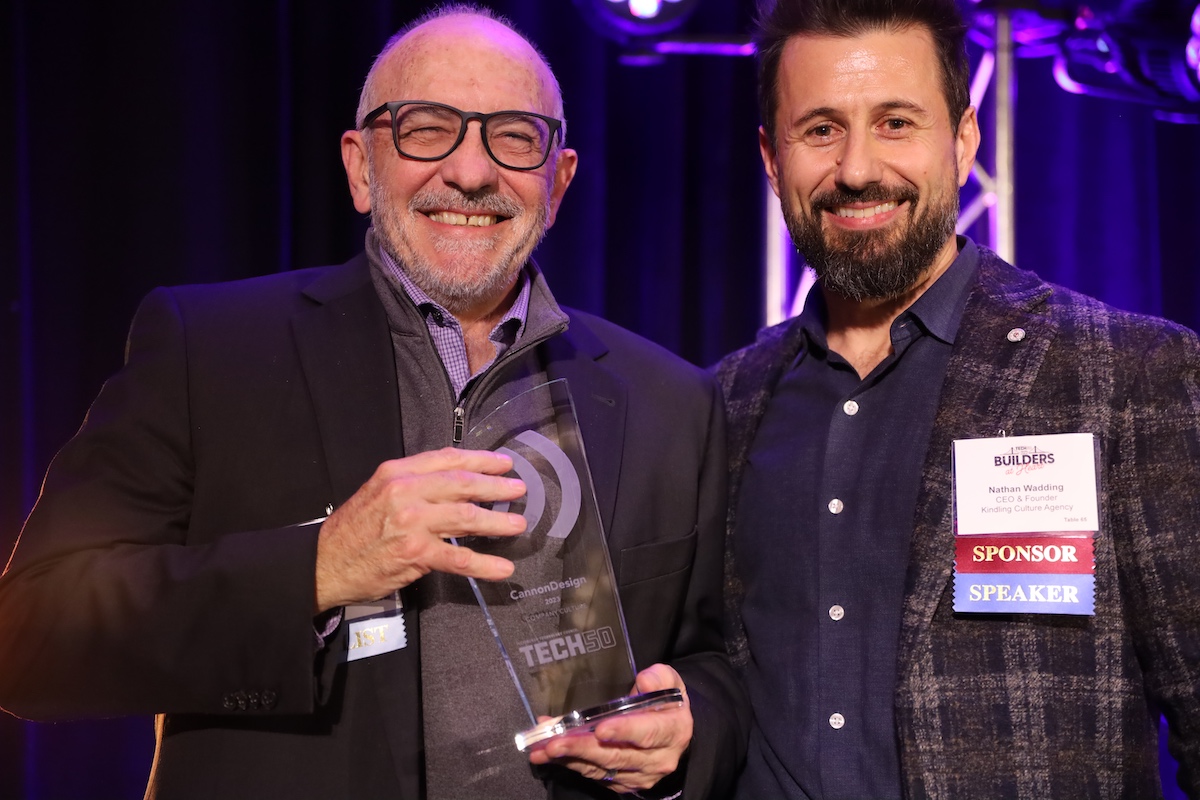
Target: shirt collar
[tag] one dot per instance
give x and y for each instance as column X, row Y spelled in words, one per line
column 508, row 330
column 938, row 310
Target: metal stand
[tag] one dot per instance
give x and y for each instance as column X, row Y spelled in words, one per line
column 996, row 189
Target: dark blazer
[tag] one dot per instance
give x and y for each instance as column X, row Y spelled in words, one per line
column 1040, row 706
column 162, row 571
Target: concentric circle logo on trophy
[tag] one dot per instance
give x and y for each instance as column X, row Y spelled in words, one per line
column 535, row 490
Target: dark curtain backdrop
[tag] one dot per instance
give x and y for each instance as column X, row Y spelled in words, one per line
column 196, row 140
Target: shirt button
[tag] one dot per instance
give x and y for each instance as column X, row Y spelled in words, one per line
column 1016, row 334
column 836, row 721
column 835, row 506
column 850, row 407
column 836, row 613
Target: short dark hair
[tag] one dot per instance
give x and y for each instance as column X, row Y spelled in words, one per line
column 780, row 20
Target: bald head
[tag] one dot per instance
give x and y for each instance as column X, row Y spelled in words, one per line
column 450, row 30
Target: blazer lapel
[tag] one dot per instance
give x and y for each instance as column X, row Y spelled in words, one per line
column 345, row 348
column 1001, row 342
column 347, row 358
column 600, row 406
column 748, row 378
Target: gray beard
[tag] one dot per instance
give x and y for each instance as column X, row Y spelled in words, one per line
column 872, row 265
column 482, row 271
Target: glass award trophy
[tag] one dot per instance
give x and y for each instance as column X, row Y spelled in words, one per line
column 557, row 619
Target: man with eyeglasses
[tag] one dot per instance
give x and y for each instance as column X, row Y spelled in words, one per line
column 164, row 570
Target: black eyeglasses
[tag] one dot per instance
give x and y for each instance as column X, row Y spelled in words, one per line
column 426, row 131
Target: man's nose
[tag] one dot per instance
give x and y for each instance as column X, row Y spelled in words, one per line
column 469, row 168
column 859, row 162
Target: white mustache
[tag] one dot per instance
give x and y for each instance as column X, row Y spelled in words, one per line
column 438, row 199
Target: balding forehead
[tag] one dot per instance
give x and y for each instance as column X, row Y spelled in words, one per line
column 468, row 31
column 471, row 31
column 469, row 28
column 458, row 30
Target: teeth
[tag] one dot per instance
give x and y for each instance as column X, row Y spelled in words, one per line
column 863, row 213
column 473, row 221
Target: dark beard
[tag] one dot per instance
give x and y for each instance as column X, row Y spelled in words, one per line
column 872, row 265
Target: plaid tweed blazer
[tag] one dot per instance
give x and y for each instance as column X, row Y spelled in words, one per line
column 1040, row 706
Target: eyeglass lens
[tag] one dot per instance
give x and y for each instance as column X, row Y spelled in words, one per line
column 515, row 140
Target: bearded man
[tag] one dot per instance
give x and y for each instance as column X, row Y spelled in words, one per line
column 871, row 671
column 165, row 568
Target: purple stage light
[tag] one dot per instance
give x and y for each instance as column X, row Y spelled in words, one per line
column 1193, row 45
column 644, row 9
column 704, row 47
column 631, row 20
column 1138, row 53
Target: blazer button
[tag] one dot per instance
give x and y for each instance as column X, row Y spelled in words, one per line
column 269, row 698
column 228, row 702
column 240, row 697
column 252, row 699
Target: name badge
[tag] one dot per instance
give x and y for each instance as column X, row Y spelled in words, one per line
column 375, row 628
column 1026, row 514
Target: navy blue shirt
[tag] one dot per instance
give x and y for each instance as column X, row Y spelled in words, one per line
column 823, row 527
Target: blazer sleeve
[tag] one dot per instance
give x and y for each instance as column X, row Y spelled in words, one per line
column 720, row 708
column 672, row 596
column 108, row 607
column 1155, row 485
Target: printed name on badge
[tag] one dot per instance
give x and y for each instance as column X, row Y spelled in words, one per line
column 1026, row 511
column 1026, row 484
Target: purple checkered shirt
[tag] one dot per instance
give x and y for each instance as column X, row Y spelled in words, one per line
column 447, row 334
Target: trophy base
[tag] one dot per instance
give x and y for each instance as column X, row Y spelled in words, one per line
column 585, row 721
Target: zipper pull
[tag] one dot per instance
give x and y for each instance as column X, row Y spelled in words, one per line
column 459, row 416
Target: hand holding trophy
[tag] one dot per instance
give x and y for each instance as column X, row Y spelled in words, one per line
column 557, row 620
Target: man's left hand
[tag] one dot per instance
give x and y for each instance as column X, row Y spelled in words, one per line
column 631, row 752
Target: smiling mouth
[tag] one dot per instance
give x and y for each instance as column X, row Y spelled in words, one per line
column 865, row 213
column 472, row 221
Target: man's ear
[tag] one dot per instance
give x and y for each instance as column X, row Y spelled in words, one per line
column 358, row 175
column 766, row 149
column 966, row 144
column 564, row 171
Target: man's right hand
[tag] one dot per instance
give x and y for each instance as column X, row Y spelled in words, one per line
column 393, row 529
